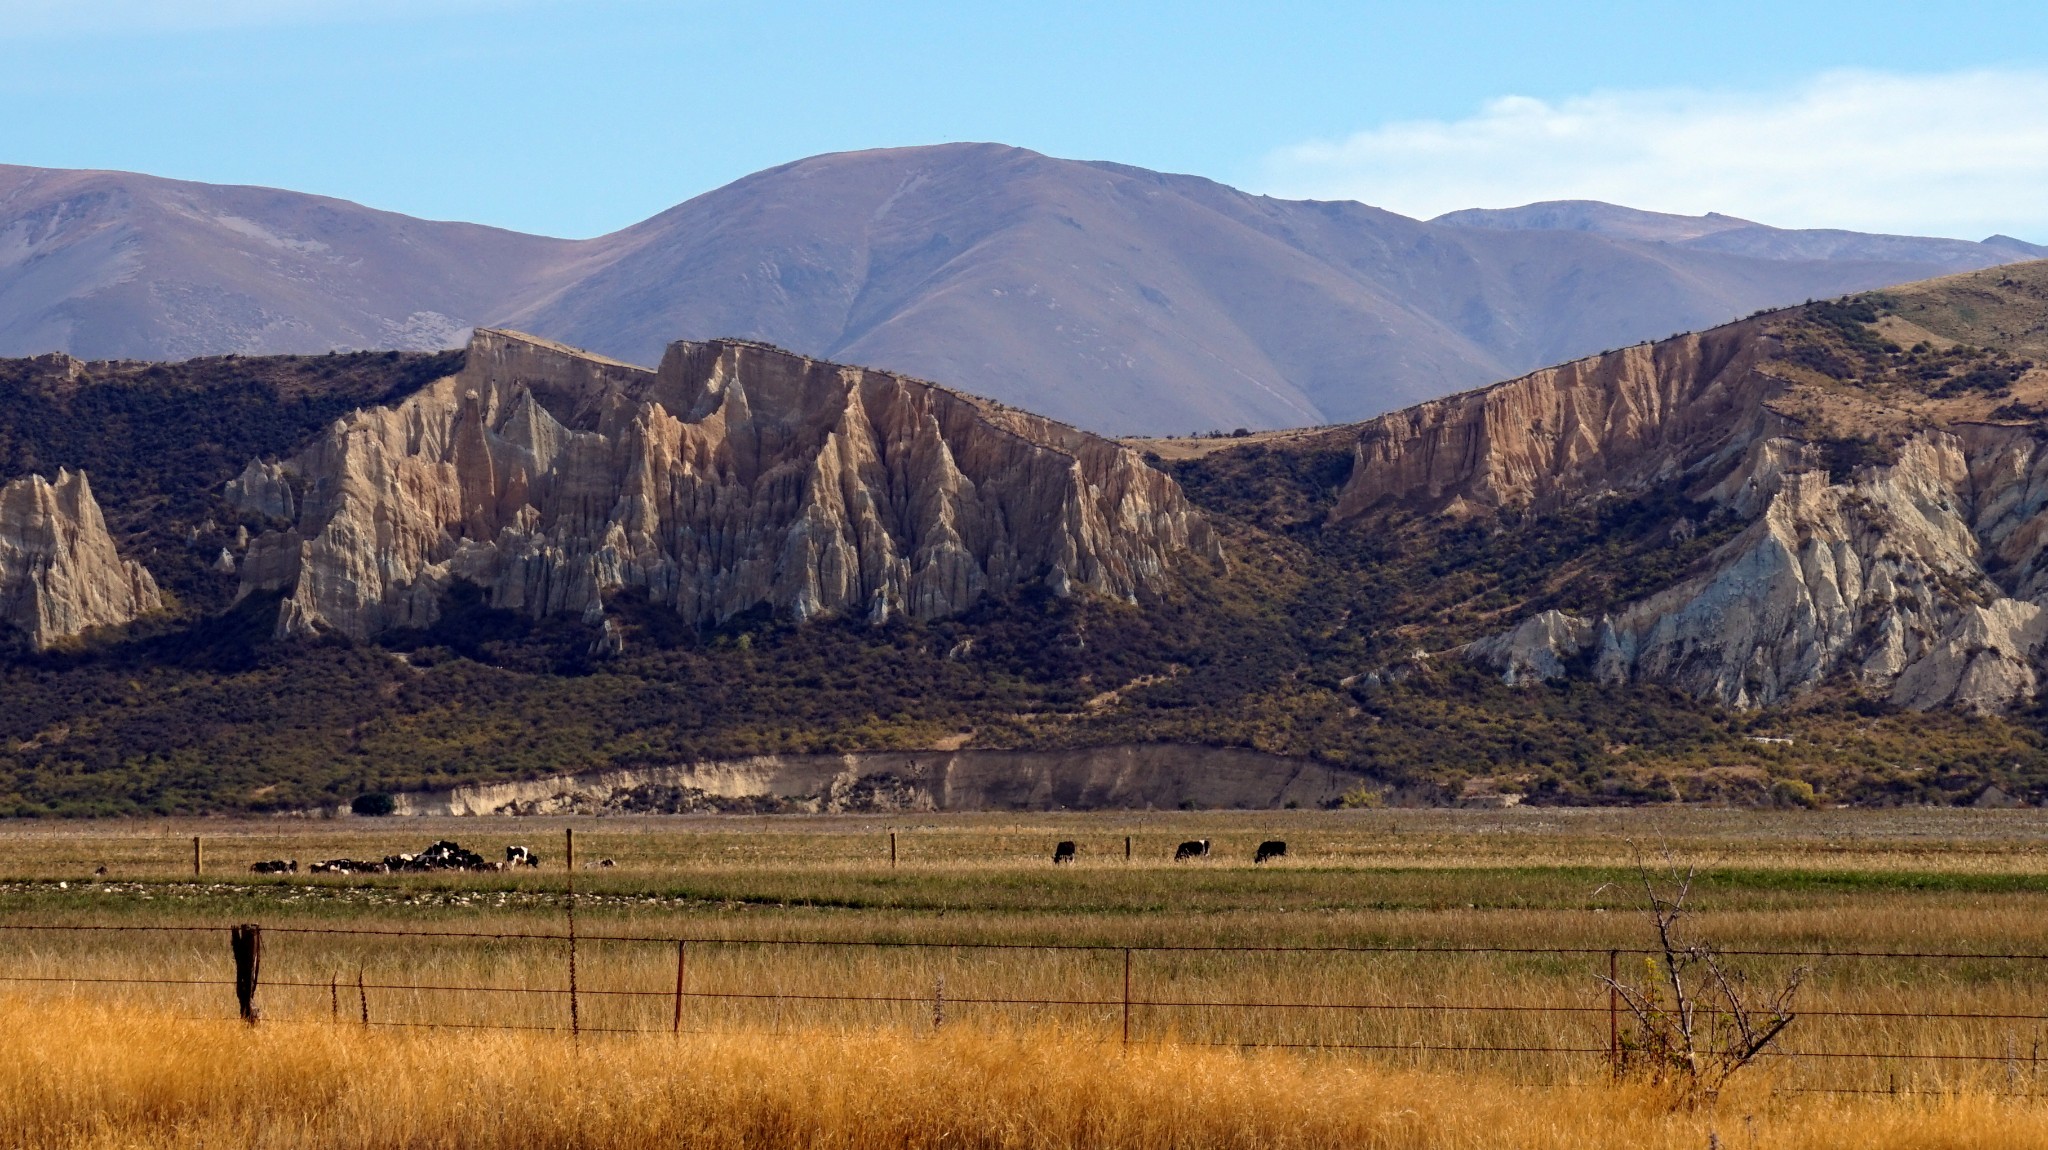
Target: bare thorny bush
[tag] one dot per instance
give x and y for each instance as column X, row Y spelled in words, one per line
column 1694, row 1020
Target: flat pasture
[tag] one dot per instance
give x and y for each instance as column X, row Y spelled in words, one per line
column 1467, row 946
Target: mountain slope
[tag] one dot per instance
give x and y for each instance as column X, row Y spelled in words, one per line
column 1130, row 300
column 1107, row 296
column 112, row 265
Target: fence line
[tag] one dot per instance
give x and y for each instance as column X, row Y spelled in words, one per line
column 1126, row 1011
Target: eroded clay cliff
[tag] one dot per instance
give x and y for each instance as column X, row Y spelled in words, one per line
column 1919, row 574
column 60, row 573
column 734, row 476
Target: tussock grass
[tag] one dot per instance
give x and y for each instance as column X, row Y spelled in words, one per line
column 98, row 1077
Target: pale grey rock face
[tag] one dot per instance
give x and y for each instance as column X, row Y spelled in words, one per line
column 263, row 489
column 736, row 475
column 1881, row 576
column 1886, row 576
column 1537, row 649
column 59, row 571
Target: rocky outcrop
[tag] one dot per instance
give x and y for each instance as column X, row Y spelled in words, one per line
column 1153, row 775
column 1537, row 649
column 1922, row 577
column 736, row 475
column 59, row 571
column 1606, row 422
column 1880, row 578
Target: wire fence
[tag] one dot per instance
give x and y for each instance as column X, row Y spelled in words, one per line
column 1866, row 1020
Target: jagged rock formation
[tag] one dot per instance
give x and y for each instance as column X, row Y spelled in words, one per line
column 59, row 571
column 1603, row 423
column 734, row 476
column 1921, row 574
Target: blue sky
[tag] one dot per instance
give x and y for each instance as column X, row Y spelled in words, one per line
column 577, row 118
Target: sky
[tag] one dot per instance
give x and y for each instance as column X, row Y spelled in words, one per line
column 577, row 117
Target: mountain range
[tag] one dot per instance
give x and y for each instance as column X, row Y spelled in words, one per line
column 1107, row 296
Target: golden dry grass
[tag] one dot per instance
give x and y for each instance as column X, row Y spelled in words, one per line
column 88, row 1077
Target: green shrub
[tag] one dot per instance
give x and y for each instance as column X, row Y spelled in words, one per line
column 374, row 804
column 1793, row 793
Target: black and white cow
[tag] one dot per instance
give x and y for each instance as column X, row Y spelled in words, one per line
column 347, row 866
column 1191, row 849
column 520, row 856
column 1063, row 852
column 276, row 866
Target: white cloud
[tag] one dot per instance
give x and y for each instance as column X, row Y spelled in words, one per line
column 1963, row 154
column 64, row 18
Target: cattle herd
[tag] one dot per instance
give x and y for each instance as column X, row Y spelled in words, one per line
column 445, row 854
column 449, row 855
column 1066, row 851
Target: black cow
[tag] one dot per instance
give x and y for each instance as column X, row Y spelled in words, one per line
column 1063, row 853
column 1270, row 849
column 276, row 866
column 1191, row 849
column 521, row 856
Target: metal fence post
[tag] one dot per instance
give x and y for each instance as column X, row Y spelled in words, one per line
column 682, row 958
column 1127, row 996
column 362, row 996
column 1127, row 848
column 246, row 941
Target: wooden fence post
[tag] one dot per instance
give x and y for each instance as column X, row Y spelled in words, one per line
column 892, row 849
column 1614, row 1012
column 246, row 941
column 1127, row 996
column 575, row 1008
column 195, row 856
column 682, row 958
column 1127, row 848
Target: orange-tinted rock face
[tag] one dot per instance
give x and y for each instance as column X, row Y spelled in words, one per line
column 1609, row 420
column 59, row 571
column 736, row 475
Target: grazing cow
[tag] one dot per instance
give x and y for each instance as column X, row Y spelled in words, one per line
column 1270, row 849
column 520, row 856
column 100, row 871
column 1191, row 849
column 606, row 862
column 1063, row 853
column 276, row 866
